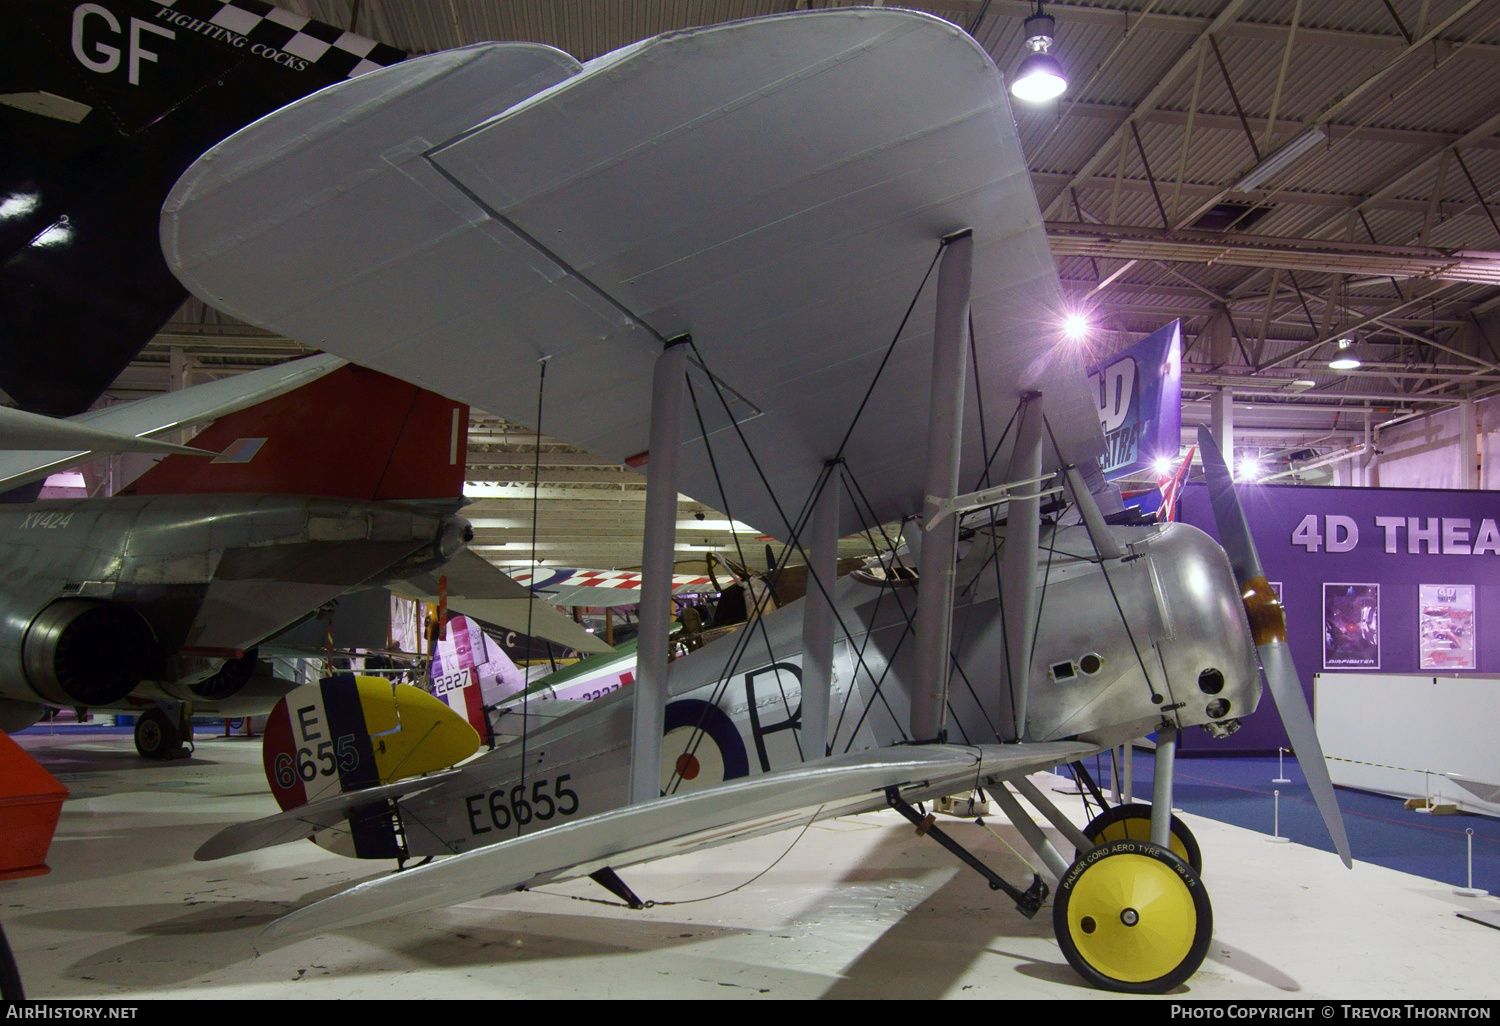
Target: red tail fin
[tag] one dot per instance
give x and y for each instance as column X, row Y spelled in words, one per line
column 352, row 434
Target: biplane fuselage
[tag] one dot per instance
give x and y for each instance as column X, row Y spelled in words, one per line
column 729, row 718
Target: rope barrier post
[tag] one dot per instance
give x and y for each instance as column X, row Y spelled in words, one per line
column 650, row 703
column 1276, row 837
column 817, row 618
column 1470, row 891
column 936, row 564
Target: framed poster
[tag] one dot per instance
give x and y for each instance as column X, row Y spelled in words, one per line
column 1445, row 632
column 1351, row 626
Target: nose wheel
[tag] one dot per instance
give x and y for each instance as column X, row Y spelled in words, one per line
column 1133, row 823
column 1132, row 917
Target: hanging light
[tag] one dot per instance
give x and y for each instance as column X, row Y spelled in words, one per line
column 1346, row 359
column 1039, row 78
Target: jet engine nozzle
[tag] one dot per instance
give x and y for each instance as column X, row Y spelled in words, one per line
column 455, row 533
column 87, row 652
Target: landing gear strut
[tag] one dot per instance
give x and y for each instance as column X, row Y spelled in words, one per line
column 1131, row 914
column 1028, row 902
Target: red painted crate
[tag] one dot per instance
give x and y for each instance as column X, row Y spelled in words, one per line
column 30, row 802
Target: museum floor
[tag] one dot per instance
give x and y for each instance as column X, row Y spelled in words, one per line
column 856, row 908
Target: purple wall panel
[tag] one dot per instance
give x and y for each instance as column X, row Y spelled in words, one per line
column 1276, row 511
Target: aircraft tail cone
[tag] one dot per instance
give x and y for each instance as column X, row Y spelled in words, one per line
column 1268, row 626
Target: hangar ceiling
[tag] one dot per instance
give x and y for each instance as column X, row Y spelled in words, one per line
column 1280, row 174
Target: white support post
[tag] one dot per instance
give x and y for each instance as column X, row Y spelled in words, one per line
column 650, row 705
column 935, row 567
column 1018, row 598
column 817, row 619
column 1221, row 426
column 1468, row 445
column 1367, row 459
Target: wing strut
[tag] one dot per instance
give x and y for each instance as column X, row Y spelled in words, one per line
column 650, row 703
column 1018, row 598
column 818, row 617
column 936, row 564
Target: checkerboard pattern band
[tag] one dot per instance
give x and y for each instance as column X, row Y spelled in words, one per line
column 331, row 50
column 624, row 579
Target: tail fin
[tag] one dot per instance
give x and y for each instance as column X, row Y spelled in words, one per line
column 349, row 733
column 353, row 434
column 119, row 98
column 471, row 671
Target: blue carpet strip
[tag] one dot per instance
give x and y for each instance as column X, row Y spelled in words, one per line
column 1381, row 829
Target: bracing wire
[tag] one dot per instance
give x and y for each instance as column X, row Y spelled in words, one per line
column 854, row 421
column 536, row 496
column 1120, row 609
column 794, row 529
column 706, row 897
column 741, row 644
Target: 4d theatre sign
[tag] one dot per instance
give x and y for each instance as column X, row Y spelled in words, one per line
column 1447, row 536
column 1443, row 622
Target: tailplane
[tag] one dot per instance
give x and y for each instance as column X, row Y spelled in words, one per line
column 353, row 434
column 350, row 733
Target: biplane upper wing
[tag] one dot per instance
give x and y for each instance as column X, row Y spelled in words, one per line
column 678, row 824
column 777, row 188
column 479, row 589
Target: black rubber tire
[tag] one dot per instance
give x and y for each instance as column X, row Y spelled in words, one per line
column 10, row 975
column 1127, row 815
column 1202, row 909
column 156, row 737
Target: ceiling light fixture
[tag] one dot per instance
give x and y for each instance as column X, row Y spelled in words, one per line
column 18, row 204
column 1347, row 359
column 1280, row 159
column 1039, row 77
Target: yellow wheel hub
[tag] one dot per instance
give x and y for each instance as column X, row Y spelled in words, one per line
column 1132, row 918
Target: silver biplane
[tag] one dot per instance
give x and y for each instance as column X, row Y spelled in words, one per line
column 797, row 264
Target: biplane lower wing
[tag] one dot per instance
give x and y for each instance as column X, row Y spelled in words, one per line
column 678, row 824
column 305, row 820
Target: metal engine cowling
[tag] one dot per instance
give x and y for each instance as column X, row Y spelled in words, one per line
column 87, row 652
